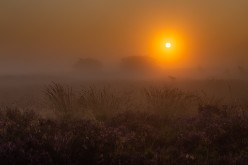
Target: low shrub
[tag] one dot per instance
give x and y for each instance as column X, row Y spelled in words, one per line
column 61, row 99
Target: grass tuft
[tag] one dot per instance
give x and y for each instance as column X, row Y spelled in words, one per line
column 61, row 99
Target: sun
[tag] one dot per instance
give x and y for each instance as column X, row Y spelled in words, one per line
column 170, row 48
column 168, row 45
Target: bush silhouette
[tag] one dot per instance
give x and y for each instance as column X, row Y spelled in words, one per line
column 138, row 64
column 88, row 65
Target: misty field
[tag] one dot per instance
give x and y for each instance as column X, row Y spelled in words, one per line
column 123, row 122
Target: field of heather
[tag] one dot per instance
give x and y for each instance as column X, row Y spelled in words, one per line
column 139, row 122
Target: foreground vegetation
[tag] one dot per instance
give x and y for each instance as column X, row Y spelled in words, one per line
column 99, row 126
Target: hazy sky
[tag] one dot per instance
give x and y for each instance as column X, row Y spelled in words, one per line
column 209, row 31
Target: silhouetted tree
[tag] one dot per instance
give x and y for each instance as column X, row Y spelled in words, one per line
column 138, row 64
column 241, row 69
column 88, row 65
column 200, row 68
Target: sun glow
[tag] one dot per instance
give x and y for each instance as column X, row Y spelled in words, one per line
column 169, row 49
column 168, row 45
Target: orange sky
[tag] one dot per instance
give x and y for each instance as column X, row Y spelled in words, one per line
column 205, row 32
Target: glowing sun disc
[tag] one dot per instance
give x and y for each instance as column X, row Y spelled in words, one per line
column 168, row 45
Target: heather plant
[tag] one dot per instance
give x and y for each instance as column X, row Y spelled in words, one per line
column 213, row 100
column 216, row 135
column 17, row 115
column 102, row 102
column 61, row 99
column 170, row 102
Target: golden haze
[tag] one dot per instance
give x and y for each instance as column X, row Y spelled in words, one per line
column 113, row 29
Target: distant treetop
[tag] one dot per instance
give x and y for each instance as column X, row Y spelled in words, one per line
column 138, row 63
column 88, row 64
